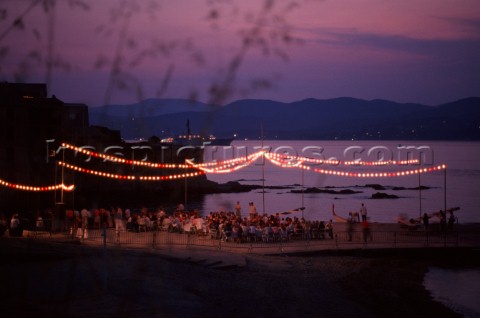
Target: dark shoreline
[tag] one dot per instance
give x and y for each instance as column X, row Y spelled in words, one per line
column 69, row 280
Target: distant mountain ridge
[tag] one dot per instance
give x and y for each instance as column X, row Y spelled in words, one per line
column 343, row 118
column 152, row 107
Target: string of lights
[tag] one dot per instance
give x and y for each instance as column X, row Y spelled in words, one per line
column 379, row 174
column 171, row 177
column 289, row 158
column 36, row 188
column 228, row 162
column 223, row 166
column 122, row 160
column 128, row 177
column 227, row 166
column 287, row 161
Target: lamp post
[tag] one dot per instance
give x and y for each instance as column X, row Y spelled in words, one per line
column 303, row 191
column 63, row 175
column 445, row 188
column 186, row 186
column 420, row 194
column 263, row 171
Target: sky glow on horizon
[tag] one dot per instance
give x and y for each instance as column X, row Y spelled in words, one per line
column 425, row 51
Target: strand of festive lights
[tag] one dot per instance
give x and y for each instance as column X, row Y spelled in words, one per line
column 297, row 162
column 379, row 174
column 285, row 161
column 231, row 162
column 285, row 164
column 281, row 157
column 122, row 160
column 95, row 172
column 232, row 165
column 171, row 177
column 128, row 177
column 382, row 163
column 36, row 188
column 227, row 166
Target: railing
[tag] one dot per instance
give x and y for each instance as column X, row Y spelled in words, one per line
column 269, row 244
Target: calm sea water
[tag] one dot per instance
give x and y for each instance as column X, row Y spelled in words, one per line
column 457, row 187
column 456, row 289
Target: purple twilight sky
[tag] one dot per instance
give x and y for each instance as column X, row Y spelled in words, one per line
column 120, row 51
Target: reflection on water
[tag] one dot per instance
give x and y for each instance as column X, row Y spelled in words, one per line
column 456, row 289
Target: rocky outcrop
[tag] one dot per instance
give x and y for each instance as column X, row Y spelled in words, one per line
column 382, row 195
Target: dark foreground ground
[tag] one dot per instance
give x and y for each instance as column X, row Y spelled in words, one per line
column 41, row 279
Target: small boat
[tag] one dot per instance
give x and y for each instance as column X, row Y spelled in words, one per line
column 337, row 218
column 201, row 140
column 405, row 222
column 197, row 139
column 293, row 210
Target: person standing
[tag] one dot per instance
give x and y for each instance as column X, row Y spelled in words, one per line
column 238, row 209
column 350, row 226
column 443, row 221
column 118, row 218
column 425, row 220
column 84, row 223
column 451, row 221
column 70, row 217
column 363, row 212
column 329, row 229
column 252, row 210
column 366, row 231
column 84, row 215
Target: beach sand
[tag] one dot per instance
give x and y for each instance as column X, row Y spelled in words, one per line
column 74, row 280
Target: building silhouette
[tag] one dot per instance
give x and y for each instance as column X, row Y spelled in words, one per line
column 33, row 128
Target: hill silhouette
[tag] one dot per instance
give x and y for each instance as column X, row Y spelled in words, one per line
column 342, row 118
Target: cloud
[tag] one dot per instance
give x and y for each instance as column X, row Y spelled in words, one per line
column 441, row 49
column 470, row 25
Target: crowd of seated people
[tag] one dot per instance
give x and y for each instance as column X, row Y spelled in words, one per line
column 228, row 226
column 179, row 221
column 222, row 225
